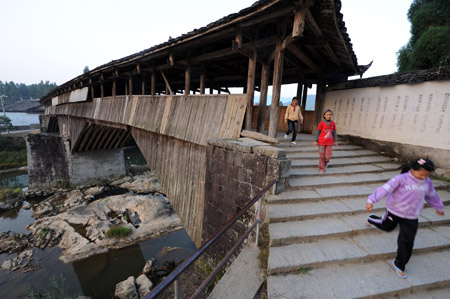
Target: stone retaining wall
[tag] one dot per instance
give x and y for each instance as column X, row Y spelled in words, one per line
column 237, row 170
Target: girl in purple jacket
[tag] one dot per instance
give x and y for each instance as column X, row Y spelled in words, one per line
column 405, row 193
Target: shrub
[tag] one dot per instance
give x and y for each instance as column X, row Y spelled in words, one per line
column 118, row 231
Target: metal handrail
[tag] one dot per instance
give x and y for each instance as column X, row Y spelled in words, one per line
column 172, row 277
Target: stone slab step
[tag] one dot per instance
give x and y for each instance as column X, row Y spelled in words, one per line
column 371, row 279
column 340, row 161
column 289, row 258
column 336, row 154
column 332, row 207
column 434, row 293
column 362, row 168
column 313, row 149
column 364, row 178
column 294, row 195
column 283, row 233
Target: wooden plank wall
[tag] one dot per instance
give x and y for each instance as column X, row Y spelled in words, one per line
column 194, row 118
column 172, row 134
column 180, row 168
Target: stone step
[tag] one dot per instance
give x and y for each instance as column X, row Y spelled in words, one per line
column 346, row 179
column 334, row 162
column 313, row 149
column 375, row 244
column 442, row 292
column 332, row 207
column 337, row 170
column 336, row 154
column 294, row 194
column 371, row 279
column 284, row 233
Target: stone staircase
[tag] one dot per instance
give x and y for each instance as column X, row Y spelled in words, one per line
column 320, row 246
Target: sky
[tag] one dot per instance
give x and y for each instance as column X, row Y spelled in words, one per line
column 54, row 39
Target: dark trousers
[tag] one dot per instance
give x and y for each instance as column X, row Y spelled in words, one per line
column 293, row 127
column 405, row 240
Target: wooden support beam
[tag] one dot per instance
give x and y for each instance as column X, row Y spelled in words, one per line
column 130, row 83
column 143, row 85
column 319, row 101
column 114, row 88
column 277, row 81
column 102, row 94
column 168, row 89
column 304, row 100
column 92, row 88
column 299, row 23
column 318, row 33
column 300, row 55
column 239, row 37
column 106, row 133
column 187, row 80
column 250, row 89
column 99, row 137
column 153, row 84
column 263, row 97
column 202, row 78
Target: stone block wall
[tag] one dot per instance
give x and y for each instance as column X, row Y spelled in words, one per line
column 47, row 160
column 50, row 160
column 237, row 170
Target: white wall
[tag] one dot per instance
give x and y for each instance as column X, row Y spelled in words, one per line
column 417, row 114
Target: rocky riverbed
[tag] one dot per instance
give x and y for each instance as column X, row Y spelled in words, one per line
column 78, row 221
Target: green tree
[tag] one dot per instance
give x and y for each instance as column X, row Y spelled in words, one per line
column 86, row 69
column 5, row 123
column 429, row 45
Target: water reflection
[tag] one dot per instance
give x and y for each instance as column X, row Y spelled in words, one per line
column 98, row 275
column 14, row 179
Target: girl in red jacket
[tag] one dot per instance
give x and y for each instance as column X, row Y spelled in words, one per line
column 325, row 136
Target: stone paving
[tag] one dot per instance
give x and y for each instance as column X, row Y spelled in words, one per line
column 320, row 246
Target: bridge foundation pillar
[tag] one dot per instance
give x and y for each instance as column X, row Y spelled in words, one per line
column 50, row 161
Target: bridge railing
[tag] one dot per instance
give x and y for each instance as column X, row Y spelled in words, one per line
column 173, row 277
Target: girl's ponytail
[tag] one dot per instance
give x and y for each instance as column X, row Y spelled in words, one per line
column 418, row 164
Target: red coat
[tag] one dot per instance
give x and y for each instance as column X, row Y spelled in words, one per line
column 326, row 133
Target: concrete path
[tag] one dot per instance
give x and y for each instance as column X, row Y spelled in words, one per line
column 320, row 246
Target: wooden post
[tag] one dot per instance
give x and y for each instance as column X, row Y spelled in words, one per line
column 130, row 82
column 211, row 90
column 263, row 97
column 153, row 84
column 126, row 89
column 92, row 88
column 277, row 81
column 250, row 88
column 114, row 88
column 319, row 102
column 143, row 84
column 202, row 79
column 101, row 86
column 187, row 80
column 305, row 98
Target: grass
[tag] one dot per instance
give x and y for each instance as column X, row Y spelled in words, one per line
column 264, row 239
column 118, row 232
column 13, row 152
column 58, row 289
column 9, row 192
column 303, row 271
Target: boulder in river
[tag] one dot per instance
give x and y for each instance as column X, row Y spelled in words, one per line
column 126, row 289
column 144, row 285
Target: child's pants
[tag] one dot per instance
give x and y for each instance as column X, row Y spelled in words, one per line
column 405, row 241
column 292, row 127
column 324, row 156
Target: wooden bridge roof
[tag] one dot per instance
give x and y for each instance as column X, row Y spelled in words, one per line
column 220, row 52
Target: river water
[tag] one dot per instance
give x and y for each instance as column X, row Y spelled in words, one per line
column 96, row 276
column 22, row 119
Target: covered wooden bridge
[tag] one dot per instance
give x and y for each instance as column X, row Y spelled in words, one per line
column 176, row 95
